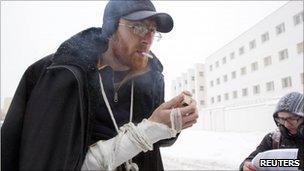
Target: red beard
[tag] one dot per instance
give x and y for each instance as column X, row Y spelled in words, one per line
column 130, row 56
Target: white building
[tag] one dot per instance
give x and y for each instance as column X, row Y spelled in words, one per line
column 246, row 77
column 191, row 81
column 200, row 86
column 264, row 62
column 5, row 107
column 194, row 82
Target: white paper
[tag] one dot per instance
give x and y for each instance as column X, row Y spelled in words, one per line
column 275, row 154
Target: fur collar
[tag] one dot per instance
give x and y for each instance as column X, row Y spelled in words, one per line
column 84, row 49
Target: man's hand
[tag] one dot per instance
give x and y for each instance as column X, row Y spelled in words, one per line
column 189, row 113
column 248, row 166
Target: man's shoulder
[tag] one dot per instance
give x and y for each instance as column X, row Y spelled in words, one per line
column 41, row 63
column 82, row 49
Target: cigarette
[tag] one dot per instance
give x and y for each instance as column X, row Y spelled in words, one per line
column 147, row 55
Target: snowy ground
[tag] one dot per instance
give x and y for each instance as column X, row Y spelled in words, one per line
column 207, row 150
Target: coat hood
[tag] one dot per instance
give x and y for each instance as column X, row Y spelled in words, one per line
column 292, row 102
column 84, row 49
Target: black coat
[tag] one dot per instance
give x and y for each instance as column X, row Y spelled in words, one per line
column 268, row 144
column 49, row 123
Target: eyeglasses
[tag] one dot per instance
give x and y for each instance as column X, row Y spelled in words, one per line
column 142, row 30
column 292, row 120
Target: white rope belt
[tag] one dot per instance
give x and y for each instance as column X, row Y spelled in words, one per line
column 106, row 152
column 176, row 121
column 134, row 134
column 138, row 137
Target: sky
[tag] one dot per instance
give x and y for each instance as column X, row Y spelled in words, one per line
column 32, row 30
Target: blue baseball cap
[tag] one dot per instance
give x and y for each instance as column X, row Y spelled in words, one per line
column 133, row 10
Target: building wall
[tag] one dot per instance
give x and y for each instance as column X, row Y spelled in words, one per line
column 191, row 81
column 200, row 86
column 255, row 117
column 5, row 107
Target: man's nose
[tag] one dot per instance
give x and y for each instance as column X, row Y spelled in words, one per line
column 287, row 124
column 148, row 38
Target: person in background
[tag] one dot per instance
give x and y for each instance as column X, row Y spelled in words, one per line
column 289, row 118
column 97, row 103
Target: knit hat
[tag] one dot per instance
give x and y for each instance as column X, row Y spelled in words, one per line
column 292, row 103
column 133, row 10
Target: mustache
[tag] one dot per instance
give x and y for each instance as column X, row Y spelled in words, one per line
column 143, row 48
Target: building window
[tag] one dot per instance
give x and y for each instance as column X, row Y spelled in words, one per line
column 267, row 61
column 233, row 75
column 192, row 78
column 201, row 74
column 217, row 64
column 186, row 81
column 226, row 96
column 300, row 47
column 193, row 91
column 224, row 60
column 179, row 84
column 270, row 86
column 280, row 28
column 201, row 88
column 225, row 78
column 256, row 89
column 302, row 78
column 234, row 94
column 241, row 50
column 244, row 92
column 243, row 71
column 219, row 98
column 298, row 18
column 210, row 68
column 254, row 66
column 218, row 81
column 231, row 55
column 265, row 37
column 283, row 54
column 211, row 83
column 252, row 44
column 212, row 100
column 202, row 102
column 286, row 82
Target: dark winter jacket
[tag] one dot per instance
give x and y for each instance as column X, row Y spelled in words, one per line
column 269, row 144
column 49, row 123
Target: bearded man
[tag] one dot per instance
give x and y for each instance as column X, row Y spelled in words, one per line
column 97, row 103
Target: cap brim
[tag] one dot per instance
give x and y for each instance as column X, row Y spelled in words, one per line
column 163, row 21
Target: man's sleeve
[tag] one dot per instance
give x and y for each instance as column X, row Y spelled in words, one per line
column 12, row 126
column 266, row 144
column 160, row 91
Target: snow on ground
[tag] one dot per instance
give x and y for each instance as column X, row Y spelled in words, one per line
column 209, row 150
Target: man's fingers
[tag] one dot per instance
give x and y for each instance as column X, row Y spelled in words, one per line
column 187, row 93
column 249, row 166
column 193, row 102
column 188, row 109
column 189, row 124
column 189, row 118
column 171, row 103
